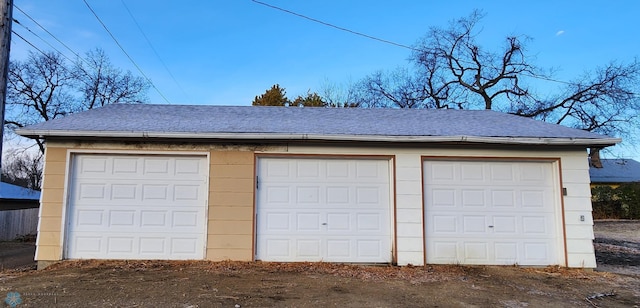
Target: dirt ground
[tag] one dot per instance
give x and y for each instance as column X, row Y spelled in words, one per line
column 256, row 284
column 16, row 254
column 617, row 244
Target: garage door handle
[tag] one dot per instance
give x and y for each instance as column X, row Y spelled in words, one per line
column 324, row 223
column 490, row 226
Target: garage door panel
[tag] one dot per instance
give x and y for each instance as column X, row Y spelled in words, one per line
column 137, row 207
column 153, row 219
column 536, row 226
column 309, row 249
column 139, row 167
column 339, row 222
column 338, row 170
column 442, row 252
column 92, row 165
column 536, row 252
column 473, row 198
column 475, row 252
column 502, row 198
column 122, row 218
column 339, row 249
column 442, row 224
column 505, row 225
column 506, row 252
column 183, row 219
column 92, row 192
column 442, row 197
column 307, row 222
column 482, row 212
column 318, row 209
column 474, row 224
column 118, row 245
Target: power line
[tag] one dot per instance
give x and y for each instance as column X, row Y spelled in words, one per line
column 56, row 49
column 125, row 52
column 334, row 26
column 90, row 64
column 31, row 44
column 47, row 55
column 154, row 50
column 45, row 41
column 51, row 34
column 383, row 40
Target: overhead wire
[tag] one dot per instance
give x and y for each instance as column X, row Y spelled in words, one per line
column 125, row 52
column 29, row 43
column 382, row 40
column 50, row 34
column 45, row 41
column 334, row 26
column 154, row 49
column 48, row 56
column 53, row 47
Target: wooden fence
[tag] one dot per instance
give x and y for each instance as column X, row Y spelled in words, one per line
column 18, row 223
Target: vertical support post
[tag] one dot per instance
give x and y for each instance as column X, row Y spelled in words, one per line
column 6, row 10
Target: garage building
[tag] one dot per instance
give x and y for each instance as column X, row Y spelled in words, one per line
column 315, row 184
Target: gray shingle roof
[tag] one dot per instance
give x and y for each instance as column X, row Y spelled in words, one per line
column 293, row 123
column 616, row 171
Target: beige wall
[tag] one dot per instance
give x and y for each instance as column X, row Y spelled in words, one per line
column 231, row 206
column 230, row 211
column 49, row 244
column 231, row 196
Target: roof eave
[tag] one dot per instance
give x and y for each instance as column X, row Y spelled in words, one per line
column 320, row 137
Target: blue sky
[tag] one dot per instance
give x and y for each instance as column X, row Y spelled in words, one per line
column 225, row 52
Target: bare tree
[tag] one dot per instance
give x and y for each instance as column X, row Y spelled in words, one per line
column 451, row 58
column 39, row 89
column 603, row 101
column 101, row 84
column 22, row 168
column 45, row 87
column 452, row 70
column 339, row 96
column 396, row 89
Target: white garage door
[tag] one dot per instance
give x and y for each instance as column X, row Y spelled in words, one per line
column 137, row 207
column 489, row 212
column 335, row 210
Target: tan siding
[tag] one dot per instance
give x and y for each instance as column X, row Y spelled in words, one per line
column 230, row 227
column 231, row 193
column 222, row 254
column 224, row 227
column 50, row 237
column 56, row 167
column 233, row 171
column 55, row 181
column 49, row 253
column 233, row 199
column 229, row 242
column 230, row 213
column 51, row 209
column 52, row 194
column 230, row 184
column 50, row 224
column 232, row 158
column 230, row 196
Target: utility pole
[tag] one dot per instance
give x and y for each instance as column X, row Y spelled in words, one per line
column 6, row 9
